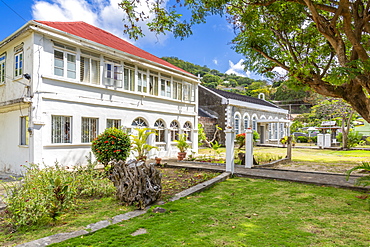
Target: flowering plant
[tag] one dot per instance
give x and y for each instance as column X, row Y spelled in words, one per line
column 112, row 144
column 240, row 140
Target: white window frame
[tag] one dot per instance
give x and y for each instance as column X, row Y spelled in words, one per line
column 113, row 73
column 89, row 67
column 24, row 134
column 116, row 123
column 18, row 64
column 160, row 130
column 254, row 123
column 139, row 123
column 61, row 129
column 67, row 70
column 153, row 83
column 237, row 123
column 246, row 121
column 187, row 130
column 89, row 129
column 129, row 77
column 142, row 80
column 174, row 130
column 2, row 68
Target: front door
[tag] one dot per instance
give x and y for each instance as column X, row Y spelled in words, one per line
column 262, row 134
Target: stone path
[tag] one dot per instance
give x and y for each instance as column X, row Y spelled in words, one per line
column 319, row 178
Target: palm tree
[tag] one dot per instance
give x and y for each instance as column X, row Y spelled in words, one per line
column 140, row 147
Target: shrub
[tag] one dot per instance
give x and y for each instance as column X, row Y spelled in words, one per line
column 112, row 144
column 302, row 139
column 354, row 137
column 240, row 138
column 47, row 193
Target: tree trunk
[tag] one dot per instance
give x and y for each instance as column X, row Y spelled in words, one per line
column 136, row 182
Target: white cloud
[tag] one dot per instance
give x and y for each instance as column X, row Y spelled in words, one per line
column 215, row 61
column 237, row 69
column 104, row 14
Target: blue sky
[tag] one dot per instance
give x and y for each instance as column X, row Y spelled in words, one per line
column 209, row 45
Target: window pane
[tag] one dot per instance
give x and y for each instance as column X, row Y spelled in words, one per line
column 95, row 71
column 24, row 131
column 61, row 129
column 71, row 66
column 89, row 129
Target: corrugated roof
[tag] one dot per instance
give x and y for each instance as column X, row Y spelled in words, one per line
column 235, row 96
column 92, row 33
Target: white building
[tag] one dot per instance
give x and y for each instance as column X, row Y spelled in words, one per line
column 63, row 83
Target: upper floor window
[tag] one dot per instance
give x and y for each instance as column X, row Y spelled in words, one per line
column 18, row 64
column 142, row 83
column 61, row 129
column 116, row 123
column 160, row 131
column 129, row 77
column 89, row 67
column 89, row 129
column 153, row 83
column 64, row 61
column 113, row 73
column 2, row 68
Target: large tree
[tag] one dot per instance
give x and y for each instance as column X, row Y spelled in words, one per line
column 322, row 44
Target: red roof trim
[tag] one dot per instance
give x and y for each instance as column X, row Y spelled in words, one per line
column 92, row 33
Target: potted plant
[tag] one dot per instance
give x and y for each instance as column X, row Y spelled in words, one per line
column 140, row 147
column 182, row 145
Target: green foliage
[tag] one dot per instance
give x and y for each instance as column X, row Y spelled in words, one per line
column 201, row 135
column 140, row 147
column 47, row 193
column 112, row 144
column 354, row 137
column 364, row 180
column 182, row 143
column 302, row 139
column 240, row 138
column 256, row 136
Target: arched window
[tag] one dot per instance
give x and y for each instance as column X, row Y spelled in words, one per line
column 237, row 123
column 174, row 130
column 160, row 131
column 254, row 123
column 246, row 121
column 187, row 130
column 139, row 123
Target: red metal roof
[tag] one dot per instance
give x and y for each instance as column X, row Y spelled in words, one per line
column 89, row 32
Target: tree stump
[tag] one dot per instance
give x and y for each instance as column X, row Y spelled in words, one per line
column 136, row 182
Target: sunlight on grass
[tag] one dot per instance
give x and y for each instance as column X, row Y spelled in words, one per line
column 250, row 214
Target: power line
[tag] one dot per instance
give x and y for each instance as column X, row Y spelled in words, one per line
column 13, row 10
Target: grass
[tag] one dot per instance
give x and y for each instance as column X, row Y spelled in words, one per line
column 89, row 211
column 247, row 212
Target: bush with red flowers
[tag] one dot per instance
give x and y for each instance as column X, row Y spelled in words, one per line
column 112, row 144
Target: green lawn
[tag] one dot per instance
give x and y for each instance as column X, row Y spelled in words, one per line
column 248, row 212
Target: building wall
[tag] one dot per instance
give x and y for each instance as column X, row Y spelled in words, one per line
column 58, row 96
column 226, row 112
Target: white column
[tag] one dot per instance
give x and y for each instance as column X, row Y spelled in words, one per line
column 327, row 140
column 229, row 132
column 320, row 140
column 248, row 148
